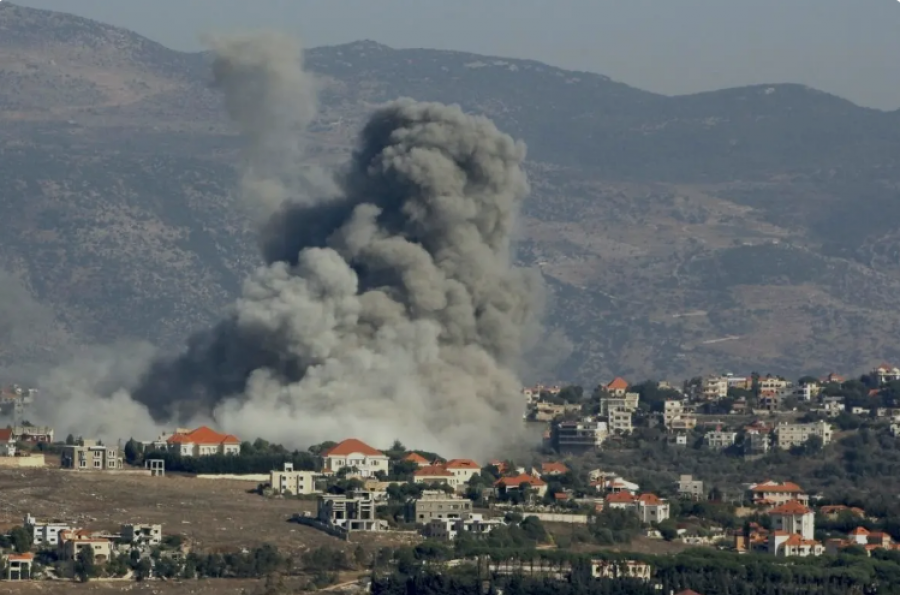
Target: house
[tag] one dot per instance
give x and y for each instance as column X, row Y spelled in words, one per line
column 860, row 536
column 788, row 435
column 200, row 442
column 44, row 532
column 649, row 508
column 772, row 385
column 434, row 504
column 833, row 379
column 356, row 455
column 469, row 523
column 351, row 512
column 72, row 542
column 719, row 439
column 141, row 534
column 416, row 458
column 289, row 481
column 7, row 443
column 833, row 511
column 32, row 434
column 463, row 470
column 552, row 469
column 18, row 566
column 794, row 517
column 886, row 373
column 681, row 440
column 786, row 545
column 578, row 436
column 432, row 474
column 714, row 388
column 691, row 488
column 618, row 387
column 615, row 569
column 620, row 421
column 521, row 482
column 91, row 455
column 770, row 493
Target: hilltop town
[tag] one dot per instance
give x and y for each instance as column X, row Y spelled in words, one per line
column 779, row 496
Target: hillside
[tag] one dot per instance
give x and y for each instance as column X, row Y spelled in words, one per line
column 749, row 228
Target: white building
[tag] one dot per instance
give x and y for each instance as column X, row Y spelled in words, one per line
column 200, row 442
column 585, row 434
column 688, row 487
column 463, row 470
column 649, row 508
column 145, row 534
column 719, row 439
column 715, row 388
column 886, row 373
column 44, row 533
column 788, row 435
column 293, row 482
column 794, row 517
column 357, row 456
column 620, row 421
column 470, row 523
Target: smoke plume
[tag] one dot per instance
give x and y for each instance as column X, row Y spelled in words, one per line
column 386, row 308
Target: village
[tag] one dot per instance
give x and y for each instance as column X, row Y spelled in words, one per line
column 354, row 492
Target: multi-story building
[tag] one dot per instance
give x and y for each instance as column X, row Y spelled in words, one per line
column 772, row 385
column 430, row 474
column 463, row 470
column 619, row 421
column 672, row 410
column 626, row 402
column 579, row 436
column 757, row 442
column 886, row 373
column 794, row 517
column 470, row 523
column 351, row 512
column 142, row 534
column 71, row 543
column 788, row 435
column 770, row 493
column 44, row 532
column 714, row 388
column 200, row 442
column 91, row 455
column 618, row 387
column 719, row 439
column 289, row 481
column 358, row 456
column 33, row 434
column 649, row 508
column 688, row 487
column 434, row 504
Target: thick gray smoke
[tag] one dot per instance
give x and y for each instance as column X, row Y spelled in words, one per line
column 385, row 309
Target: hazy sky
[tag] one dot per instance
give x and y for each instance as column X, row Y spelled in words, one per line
column 846, row 47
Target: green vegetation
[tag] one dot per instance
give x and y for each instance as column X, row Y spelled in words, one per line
column 257, row 457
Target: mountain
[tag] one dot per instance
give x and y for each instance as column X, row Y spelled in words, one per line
column 750, row 228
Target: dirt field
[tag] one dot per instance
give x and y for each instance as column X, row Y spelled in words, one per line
column 211, row 513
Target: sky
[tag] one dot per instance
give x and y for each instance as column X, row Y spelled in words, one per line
column 845, row 47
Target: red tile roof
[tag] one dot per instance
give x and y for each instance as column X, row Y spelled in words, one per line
column 620, row 498
column 791, row 507
column 554, row 468
column 6, row 435
column 415, row 457
column 203, row 435
column 860, row 531
column 779, row 488
column 518, row 480
column 353, row 446
column 432, row 471
column 26, row 557
column 462, row 464
column 618, row 383
column 650, row 499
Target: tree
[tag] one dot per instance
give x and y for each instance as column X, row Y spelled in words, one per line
column 22, row 539
column 85, row 566
column 70, row 440
column 133, row 451
column 142, row 569
column 668, row 529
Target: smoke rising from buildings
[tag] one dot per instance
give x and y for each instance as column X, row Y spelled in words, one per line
column 387, row 307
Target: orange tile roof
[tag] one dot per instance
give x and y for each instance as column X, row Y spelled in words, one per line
column 650, row 499
column 415, row 457
column 550, row 468
column 618, row 383
column 860, row 531
column 780, row 488
column 620, row 498
column 432, row 471
column 795, row 539
column 26, row 557
column 203, row 435
column 6, row 435
column 352, row 446
column 462, row 464
column 791, row 507
column 518, row 480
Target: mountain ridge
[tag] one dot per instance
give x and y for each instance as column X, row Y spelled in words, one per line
column 664, row 225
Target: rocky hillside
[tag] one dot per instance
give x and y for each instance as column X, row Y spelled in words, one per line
column 750, row 228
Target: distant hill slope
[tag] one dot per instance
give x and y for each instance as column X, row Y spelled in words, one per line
column 750, row 228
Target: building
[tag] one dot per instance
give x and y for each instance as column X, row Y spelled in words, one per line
column 357, row 456
column 469, row 523
column 91, row 455
column 435, row 504
column 579, row 436
column 432, row 474
column 788, row 435
column 649, row 508
column 616, row 569
column 770, row 493
column 794, row 517
column 772, row 385
column 200, row 442
column 757, row 440
column 833, row 511
column 18, row 566
column 289, row 481
column 719, row 439
column 141, row 534
column 521, row 482
column 551, row 469
column 44, row 532
column 351, row 512
column 618, row 387
column 32, row 434
column 688, row 487
column 769, row 402
column 416, row 458
column 463, row 470
column 714, row 388
column 786, row 545
column 619, row 421
column 886, row 373
column 7, row 443
column 72, row 542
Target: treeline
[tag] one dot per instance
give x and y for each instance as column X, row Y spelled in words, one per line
column 255, row 457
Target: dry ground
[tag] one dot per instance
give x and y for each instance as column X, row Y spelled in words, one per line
column 210, row 513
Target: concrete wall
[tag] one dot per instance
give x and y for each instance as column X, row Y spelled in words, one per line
column 26, row 462
column 254, row 477
column 558, row 517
